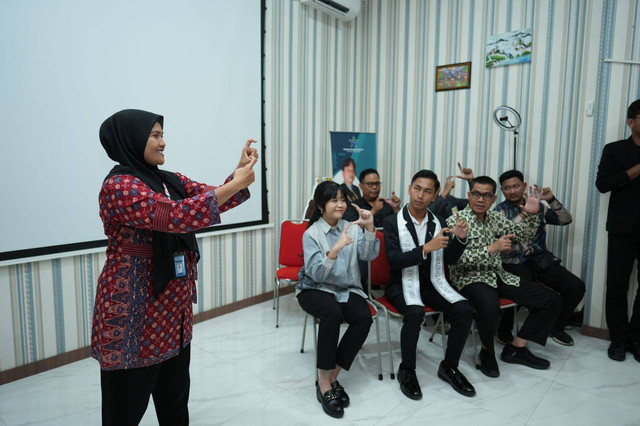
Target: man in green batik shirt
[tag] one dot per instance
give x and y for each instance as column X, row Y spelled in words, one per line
column 480, row 278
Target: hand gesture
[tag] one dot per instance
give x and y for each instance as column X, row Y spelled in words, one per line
column 546, row 194
column 245, row 176
column 449, row 185
column 394, row 202
column 378, row 204
column 465, row 173
column 532, row 201
column 461, row 228
column 248, row 153
column 365, row 218
column 501, row 244
column 344, row 240
column 439, row 241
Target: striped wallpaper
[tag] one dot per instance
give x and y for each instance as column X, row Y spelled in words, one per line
column 376, row 74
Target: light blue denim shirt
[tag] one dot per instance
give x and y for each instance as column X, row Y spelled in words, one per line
column 341, row 275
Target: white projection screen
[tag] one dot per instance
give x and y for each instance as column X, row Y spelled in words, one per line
column 69, row 64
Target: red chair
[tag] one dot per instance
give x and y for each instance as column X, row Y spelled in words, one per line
column 379, row 275
column 290, row 257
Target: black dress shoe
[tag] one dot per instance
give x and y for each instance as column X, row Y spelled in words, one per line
column 517, row 355
column 409, row 383
column 331, row 403
column 456, row 379
column 341, row 393
column 616, row 351
column 488, row 364
column 634, row 348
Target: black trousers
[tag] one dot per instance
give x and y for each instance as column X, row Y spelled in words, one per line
column 558, row 278
column 622, row 251
column 543, row 303
column 460, row 315
column 125, row 393
column 324, row 306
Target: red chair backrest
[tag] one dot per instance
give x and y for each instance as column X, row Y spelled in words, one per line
column 291, row 253
column 380, row 270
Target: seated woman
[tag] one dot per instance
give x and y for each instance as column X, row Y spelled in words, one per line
column 330, row 288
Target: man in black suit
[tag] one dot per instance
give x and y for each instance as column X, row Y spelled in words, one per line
column 619, row 172
column 417, row 244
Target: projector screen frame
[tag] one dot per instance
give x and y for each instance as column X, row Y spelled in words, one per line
column 65, row 250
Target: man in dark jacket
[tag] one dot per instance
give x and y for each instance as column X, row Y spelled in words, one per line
column 417, row 244
column 619, row 172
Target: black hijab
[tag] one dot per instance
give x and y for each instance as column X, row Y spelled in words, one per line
column 124, row 136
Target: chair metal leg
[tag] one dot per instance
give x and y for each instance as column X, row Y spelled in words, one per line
column 277, row 303
column 393, row 372
column 475, row 347
column 274, row 293
column 304, row 332
column 378, row 346
column 315, row 343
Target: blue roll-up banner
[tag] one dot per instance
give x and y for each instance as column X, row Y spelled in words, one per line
column 360, row 147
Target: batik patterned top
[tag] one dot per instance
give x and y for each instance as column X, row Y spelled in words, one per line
column 476, row 264
column 133, row 327
column 555, row 214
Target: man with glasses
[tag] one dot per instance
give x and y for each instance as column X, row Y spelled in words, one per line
column 533, row 260
column 619, row 172
column 480, row 278
column 380, row 207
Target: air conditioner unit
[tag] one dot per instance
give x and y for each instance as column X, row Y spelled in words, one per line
column 345, row 10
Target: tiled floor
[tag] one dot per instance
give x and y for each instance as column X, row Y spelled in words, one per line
column 245, row 372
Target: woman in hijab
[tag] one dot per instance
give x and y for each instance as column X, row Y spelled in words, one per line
column 143, row 317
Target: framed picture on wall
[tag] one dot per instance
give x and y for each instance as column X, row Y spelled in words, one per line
column 453, row 76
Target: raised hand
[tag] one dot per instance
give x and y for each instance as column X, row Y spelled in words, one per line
column 344, row 240
column 245, row 176
column 394, row 202
column 501, row 244
column 378, row 204
column 461, row 228
column 546, row 194
column 449, row 185
column 532, row 201
column 365, row 219
column 248, row 153
column 465, row 173
column 439, row 241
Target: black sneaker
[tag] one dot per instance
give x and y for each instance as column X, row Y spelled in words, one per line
column 488, row 364
column 515, row 355
column 561, row 337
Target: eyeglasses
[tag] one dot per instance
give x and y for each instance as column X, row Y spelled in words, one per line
column 372, row 184
column 487, row 196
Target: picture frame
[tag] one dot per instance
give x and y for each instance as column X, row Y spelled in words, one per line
column 453, row 76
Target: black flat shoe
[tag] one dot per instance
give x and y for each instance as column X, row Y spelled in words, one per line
column 516, row 355
column 488, row 364
column 341, row 393
column 456, row 379
column 409, row 383
column 331, row 403
column 617, row 351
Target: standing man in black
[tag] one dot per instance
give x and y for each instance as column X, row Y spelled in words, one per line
column 619, row 172
column 418, row 243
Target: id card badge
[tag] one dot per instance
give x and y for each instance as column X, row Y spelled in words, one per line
column 180, row 265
